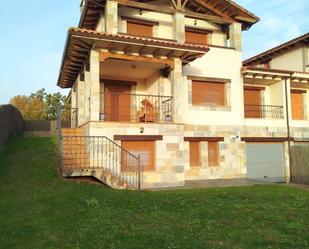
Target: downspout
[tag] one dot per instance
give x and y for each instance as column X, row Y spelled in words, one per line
column 288, row 123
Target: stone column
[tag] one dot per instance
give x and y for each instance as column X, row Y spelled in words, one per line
column 95, row 85
column 178, row 91
column 179, row 27
column 87, row 87
column 81, row 101
column 111, row 17
column 73, row 104
column 235, row 36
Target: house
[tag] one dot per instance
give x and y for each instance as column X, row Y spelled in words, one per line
column 159, row 96
column 276, row 99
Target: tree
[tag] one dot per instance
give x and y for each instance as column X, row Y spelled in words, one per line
column 42, row 106
column 30, row 108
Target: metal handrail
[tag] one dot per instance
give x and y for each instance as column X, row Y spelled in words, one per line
column 104, row 153
column 156, row 108
column 264, row 111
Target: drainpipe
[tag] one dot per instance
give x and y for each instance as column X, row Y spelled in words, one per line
column 288, row 123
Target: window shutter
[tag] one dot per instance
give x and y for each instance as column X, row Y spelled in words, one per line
column 139, row 29
column 196, row 37
column 252, row 99
column 194, row 154
column 144, row 149
column 213, row 153
column 208, row 94
column 297, row 106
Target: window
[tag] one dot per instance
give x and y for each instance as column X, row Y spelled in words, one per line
column 144, row 149
column 208, row 93
column 139, row 28
column 195, row 154
column 213, row 153
column 196, row 36
column 297, row 104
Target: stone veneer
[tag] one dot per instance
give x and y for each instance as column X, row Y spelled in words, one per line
column 172, row 153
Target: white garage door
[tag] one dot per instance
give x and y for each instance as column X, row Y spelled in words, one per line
column 265, row 162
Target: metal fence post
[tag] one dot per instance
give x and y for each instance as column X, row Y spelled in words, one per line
column 59, row 137
column 139, row 172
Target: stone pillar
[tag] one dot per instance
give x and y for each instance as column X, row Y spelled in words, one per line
column 178, row 92
column 87, row 87
column 95, row 85
column 111, row 17
column 81, row 101
column 179, row 27
column 73, row 105
column 235, row 36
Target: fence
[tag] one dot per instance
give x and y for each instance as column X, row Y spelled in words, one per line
column 11, row 123
column 300, row 164
column 43, row 128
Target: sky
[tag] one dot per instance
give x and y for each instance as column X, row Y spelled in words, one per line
column 33, row 35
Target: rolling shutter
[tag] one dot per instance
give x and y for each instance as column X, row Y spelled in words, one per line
column 139, row 29
column 297, row 106
column 208, row 93
column 213, row 154
column 194, row 154
column 196, row 37
column 252, row 103
column 144, row 149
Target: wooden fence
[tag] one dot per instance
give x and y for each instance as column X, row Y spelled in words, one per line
column 11, row 123
column 43, row 128
column 300, row 164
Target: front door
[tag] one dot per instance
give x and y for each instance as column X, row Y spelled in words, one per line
column 117, row 101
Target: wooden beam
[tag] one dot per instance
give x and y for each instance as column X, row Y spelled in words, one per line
column 151, row 7
column 204, row 139
column 138, row 137
column 264, row 139
column 107, row 55
column 215, row 10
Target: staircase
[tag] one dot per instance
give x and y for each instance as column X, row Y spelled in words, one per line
column 98, row 157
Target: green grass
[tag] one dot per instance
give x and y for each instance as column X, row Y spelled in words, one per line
column 40, row 210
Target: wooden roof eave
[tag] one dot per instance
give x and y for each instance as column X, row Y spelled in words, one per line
column 76, row 51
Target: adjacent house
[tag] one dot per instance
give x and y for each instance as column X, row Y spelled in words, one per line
column 160, row 95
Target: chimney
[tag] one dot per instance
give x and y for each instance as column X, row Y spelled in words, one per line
column 82, row 5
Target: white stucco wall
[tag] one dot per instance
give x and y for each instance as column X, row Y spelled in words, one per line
column 291, row 60
column 217, row 63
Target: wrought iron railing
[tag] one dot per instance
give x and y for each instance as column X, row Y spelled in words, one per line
column 136, row 108
column 74, row 117
column 264, row 111
column 100, row 153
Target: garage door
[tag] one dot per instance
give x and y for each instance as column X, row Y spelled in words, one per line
column 265, row 161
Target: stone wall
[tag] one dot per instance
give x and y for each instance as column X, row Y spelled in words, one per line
column 169, row 162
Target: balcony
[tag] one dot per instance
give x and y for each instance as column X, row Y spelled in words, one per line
column 136, row 108
column 264, row 111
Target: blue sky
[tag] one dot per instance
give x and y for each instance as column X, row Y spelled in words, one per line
column 34, row 32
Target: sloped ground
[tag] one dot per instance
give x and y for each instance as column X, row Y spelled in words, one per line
column 40, row 210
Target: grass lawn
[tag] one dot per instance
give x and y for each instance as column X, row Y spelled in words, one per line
column 40, row 210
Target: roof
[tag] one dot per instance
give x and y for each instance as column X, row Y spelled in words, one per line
column 267, row 55
column 81, row 41
column 298, row 79
column 212, row 9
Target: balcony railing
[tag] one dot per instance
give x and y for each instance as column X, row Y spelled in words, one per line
column 264, row 111
column 136, row 108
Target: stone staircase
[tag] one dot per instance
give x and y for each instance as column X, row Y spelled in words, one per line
column 77, row 162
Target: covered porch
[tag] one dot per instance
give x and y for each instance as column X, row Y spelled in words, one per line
column 121, row 78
